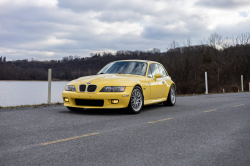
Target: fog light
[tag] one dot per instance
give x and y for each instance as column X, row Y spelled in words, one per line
column 66, row 99
column 114, row 101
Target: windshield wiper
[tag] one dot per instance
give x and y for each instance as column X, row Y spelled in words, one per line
column 101, row 73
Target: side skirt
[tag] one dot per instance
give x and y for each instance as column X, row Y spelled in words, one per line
column 154, row 101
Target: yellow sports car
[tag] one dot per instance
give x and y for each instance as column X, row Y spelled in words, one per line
column 127, row 84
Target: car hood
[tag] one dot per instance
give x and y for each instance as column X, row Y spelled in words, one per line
column 108, row 79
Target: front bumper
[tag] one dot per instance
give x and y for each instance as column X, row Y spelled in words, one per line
column 106, row 96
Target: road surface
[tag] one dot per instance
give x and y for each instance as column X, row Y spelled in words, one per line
column 199, row 130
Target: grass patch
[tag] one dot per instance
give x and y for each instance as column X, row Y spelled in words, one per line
column 34, row 105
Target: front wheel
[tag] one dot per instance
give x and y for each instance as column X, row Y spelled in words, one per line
column 171, row 97
column 136, row 101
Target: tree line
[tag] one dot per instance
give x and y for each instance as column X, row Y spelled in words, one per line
column 224, row 59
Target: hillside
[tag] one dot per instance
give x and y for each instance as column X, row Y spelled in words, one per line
column 186, row 66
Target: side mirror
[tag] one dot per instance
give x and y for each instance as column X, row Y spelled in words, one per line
column 158, row 75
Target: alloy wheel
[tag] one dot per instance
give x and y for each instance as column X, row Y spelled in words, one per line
column 172, row 95
column 136, row 100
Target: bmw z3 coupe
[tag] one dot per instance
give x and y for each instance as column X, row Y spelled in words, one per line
column 129, row 84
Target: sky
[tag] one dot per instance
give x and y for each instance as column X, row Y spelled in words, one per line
column 52, row 29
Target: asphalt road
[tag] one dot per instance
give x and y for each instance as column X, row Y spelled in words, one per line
column 198, row 130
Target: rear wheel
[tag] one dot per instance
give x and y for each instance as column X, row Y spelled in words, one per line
column 75, row 109
column 136, row 101
column 171, row 97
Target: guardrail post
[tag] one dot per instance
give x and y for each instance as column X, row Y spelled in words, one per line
column 206, row 82
column 49, row 86
column 242, row 88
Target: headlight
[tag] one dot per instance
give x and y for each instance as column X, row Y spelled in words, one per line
column 70, row 88
column 113, row 89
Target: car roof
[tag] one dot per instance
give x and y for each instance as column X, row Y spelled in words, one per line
column 137, row 60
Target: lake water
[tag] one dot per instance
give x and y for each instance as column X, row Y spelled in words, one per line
column 13, row 93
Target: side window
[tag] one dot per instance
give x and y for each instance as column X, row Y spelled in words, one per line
column 154, row 69
column 162, row 71
column 149, row 73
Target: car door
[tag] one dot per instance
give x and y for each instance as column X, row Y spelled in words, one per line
column 158, row 86
column 166, row 78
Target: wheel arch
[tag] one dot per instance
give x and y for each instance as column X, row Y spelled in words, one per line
column 174, row 85
column 138, row 85
column 169, row 86
column 141, row 89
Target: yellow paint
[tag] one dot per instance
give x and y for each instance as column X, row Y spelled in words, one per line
column 209, row 110
column 152, row 101
column 238, row 105
column 158, row 89
column 158, row 75
column 154, row 91
column 67, row 139
column 159, row 120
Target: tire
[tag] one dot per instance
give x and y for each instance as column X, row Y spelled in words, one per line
column 74, row 109
column 171, row 97
column 136, row 101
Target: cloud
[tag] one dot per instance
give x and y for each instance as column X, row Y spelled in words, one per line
column 22, row 3
column 243, row 14
column 141, row 6
column 224, row 4
column 51, row 29
column 121, row 16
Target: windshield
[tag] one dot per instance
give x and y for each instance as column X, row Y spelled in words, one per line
column 137, row 68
